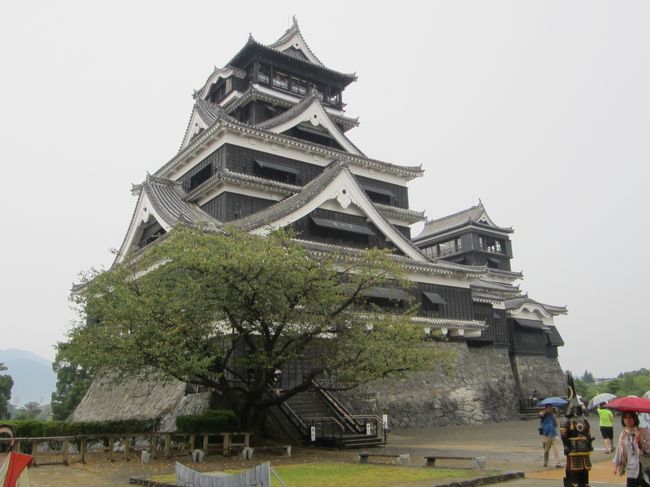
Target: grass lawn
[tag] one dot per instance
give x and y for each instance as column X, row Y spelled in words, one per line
column 330, row 474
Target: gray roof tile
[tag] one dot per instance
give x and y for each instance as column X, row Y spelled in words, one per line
column 457, row 220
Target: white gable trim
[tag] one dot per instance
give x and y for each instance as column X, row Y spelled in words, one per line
column 297, row 42
column 143, row 212
column 196, row 124
column 345, row 190
column 316, row 115
column 532, row 311
column 485, row 219
column 224, row 73
column 293, row 99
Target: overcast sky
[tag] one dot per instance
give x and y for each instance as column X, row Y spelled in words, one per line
column 541, row 109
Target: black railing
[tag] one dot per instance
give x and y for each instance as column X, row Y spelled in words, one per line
column 339, row 409
column 326, row 428
column 360, row 424
column 290, row 414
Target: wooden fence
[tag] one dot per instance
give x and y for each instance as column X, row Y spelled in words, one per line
column 167, row 444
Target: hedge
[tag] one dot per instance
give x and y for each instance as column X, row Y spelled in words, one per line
column 213, row 420
column 218, row 420
column 31, row 428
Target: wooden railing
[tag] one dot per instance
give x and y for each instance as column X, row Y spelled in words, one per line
column 167, row 444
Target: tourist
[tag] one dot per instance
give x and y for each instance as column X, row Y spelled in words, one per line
column 548, row 426
column 14, row 467
column 606, row 427
column 644, row 420
column 632, row 443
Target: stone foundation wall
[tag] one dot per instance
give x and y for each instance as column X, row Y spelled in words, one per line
column 541, row 374
column 480, row 389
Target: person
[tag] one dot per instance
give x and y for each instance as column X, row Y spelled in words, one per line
column 577, row 440
column 606, row 427
column 14, row 467
column 632, row 442
column 644, row 421
column 277, row 381
column 548, row 427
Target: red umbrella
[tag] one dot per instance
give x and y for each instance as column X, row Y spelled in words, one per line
column 630, row 403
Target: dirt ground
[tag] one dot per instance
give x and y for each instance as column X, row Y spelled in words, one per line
column 510, row 446
column 99, row 472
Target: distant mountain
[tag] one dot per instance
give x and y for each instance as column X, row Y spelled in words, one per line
column 34, row 379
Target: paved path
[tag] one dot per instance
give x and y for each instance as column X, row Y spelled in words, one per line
column 510, row 446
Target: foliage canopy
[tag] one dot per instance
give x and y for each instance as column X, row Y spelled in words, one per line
column 634, row 383
column 225, row 310
column 6, row 384
column 72, row 382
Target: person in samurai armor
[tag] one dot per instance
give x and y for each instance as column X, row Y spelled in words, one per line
column 577, row 440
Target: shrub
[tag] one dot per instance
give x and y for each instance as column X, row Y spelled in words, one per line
column 32, row 428
column 219, row 420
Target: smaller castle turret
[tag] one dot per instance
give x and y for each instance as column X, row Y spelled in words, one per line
column 468, row 237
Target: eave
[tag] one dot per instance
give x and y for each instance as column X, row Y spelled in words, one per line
column 204, row 141
column 254, row 92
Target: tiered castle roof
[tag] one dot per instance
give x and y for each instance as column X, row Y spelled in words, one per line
column 264, row 135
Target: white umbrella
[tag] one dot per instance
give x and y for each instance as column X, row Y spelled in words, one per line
column 647, row 395
column 599, row 399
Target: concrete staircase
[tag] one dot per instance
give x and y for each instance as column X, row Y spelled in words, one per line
column 334, row 424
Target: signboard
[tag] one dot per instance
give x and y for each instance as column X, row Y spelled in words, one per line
column 313, row 433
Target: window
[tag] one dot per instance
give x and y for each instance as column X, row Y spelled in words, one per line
column 246, row 115
column 379, row 195
column 432, row 301
column 264, row 73
column 334, row 99
column 276, row 170
column 431, row 251
column 490, row 244
column 298, row 86
column 448, row 247
column 281, row 80
column 200, row 177
column 218, row 92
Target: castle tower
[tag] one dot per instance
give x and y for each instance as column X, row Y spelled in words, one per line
column 267, row 146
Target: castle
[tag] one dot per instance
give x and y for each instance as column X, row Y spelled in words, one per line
column 266, row 147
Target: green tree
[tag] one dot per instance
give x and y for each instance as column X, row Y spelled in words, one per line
column 225, row 310
column 584, row 389
column 588, row 377
column 31, row 410
column 6, row 384
column 72, row 382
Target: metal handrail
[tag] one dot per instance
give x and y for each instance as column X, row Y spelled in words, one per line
column 338, row 407
column 326, row 418
column 323, row 420
column 291, row 415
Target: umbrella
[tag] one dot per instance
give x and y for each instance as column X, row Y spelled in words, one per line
column 552, row 401
column 647, row 395
column 600, row 398
column 630, row 403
